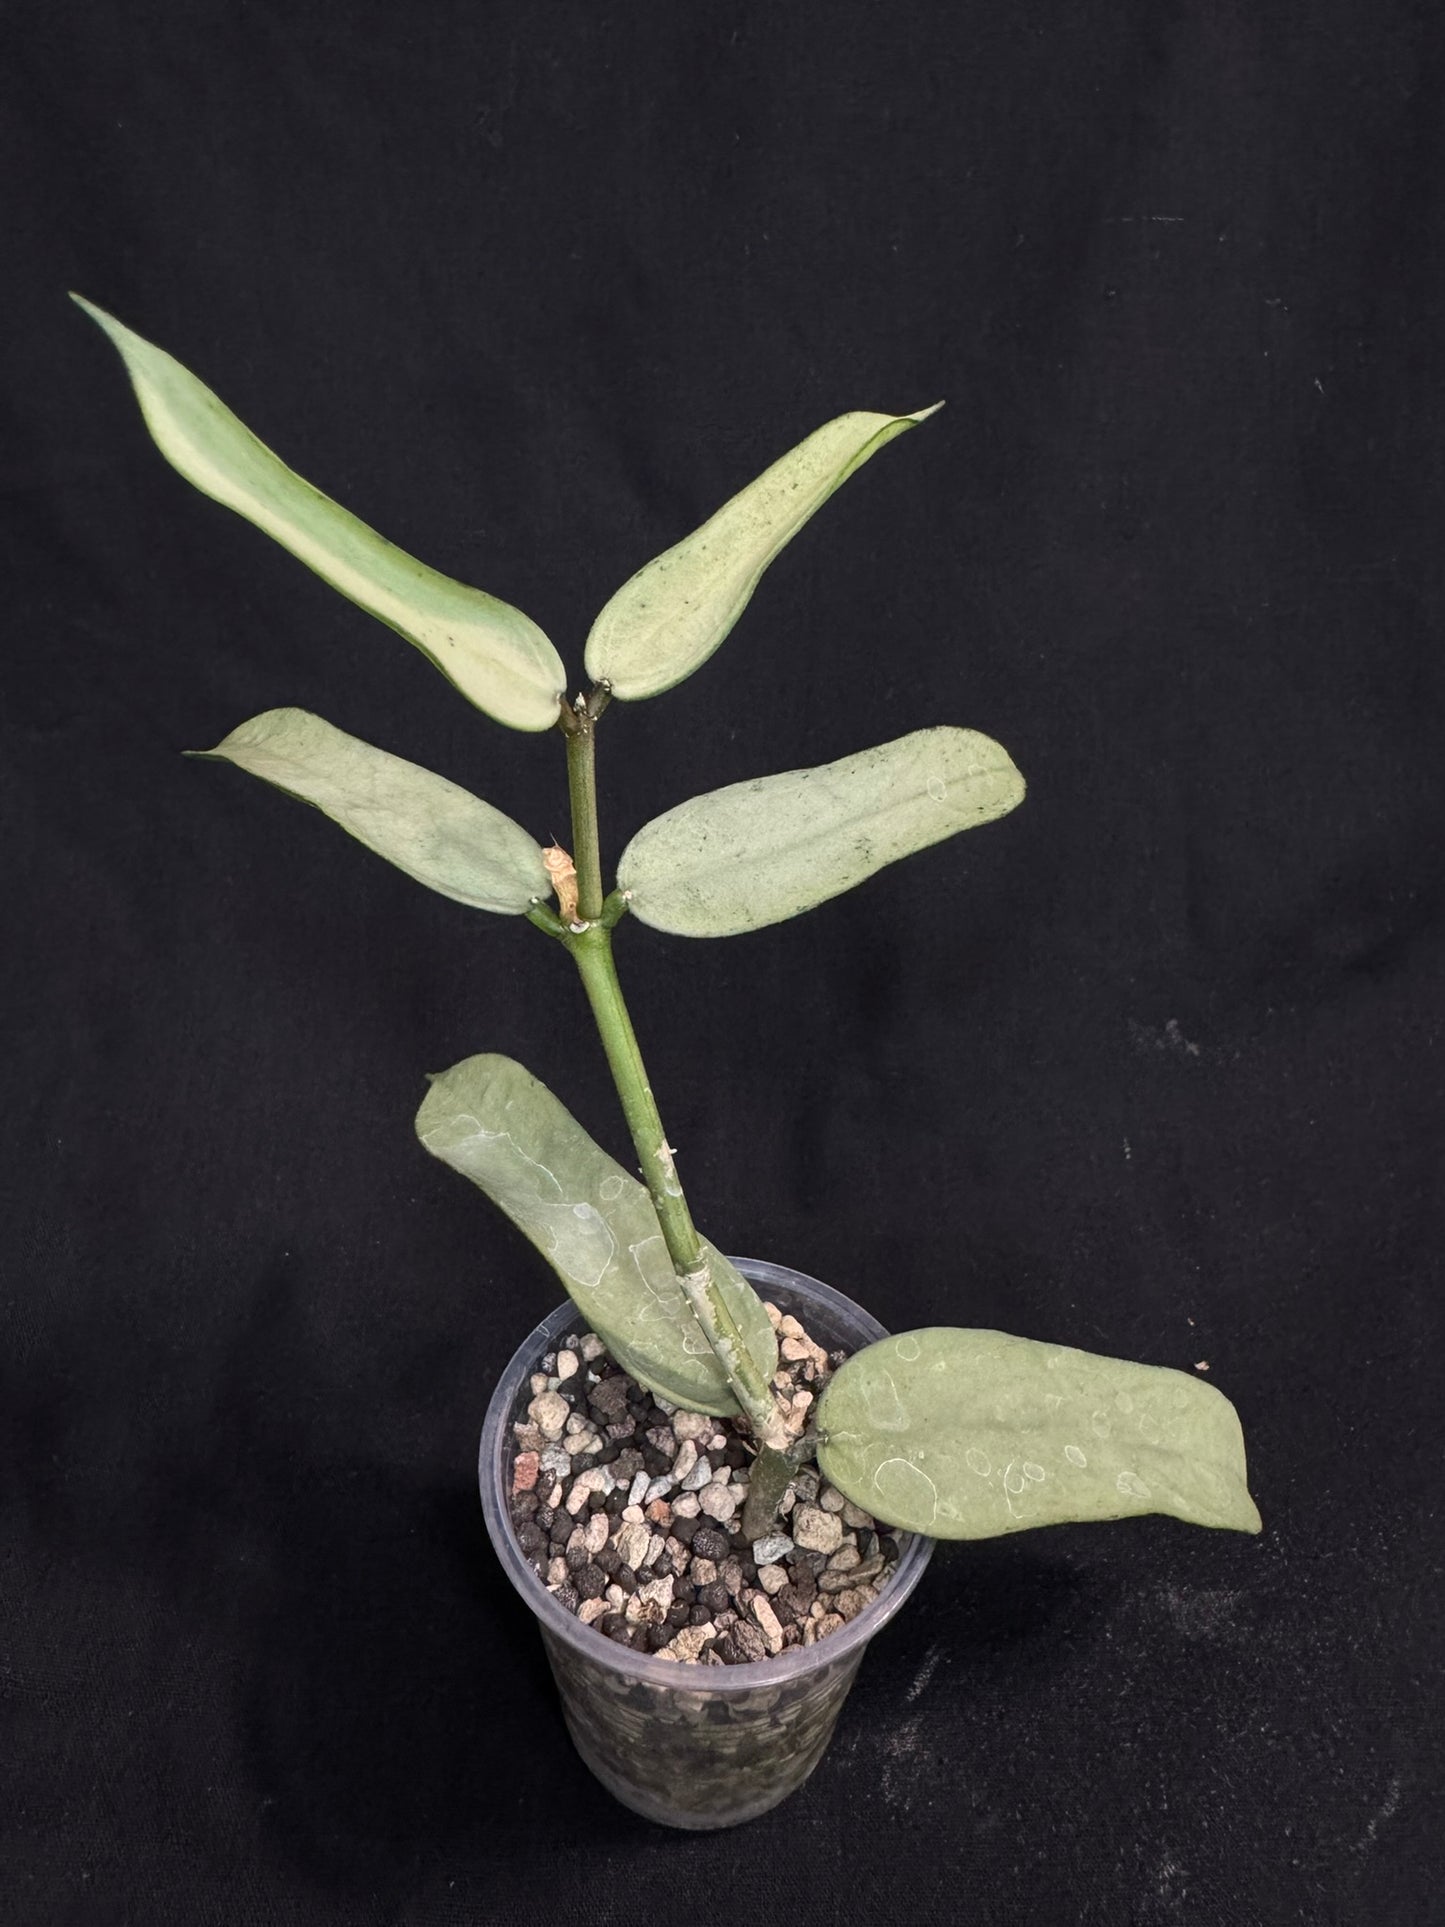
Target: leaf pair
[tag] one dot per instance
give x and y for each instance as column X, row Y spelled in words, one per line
column 660, row 626
column 734, row 860
column 957, row 1434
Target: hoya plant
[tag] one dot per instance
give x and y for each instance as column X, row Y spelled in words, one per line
column 958, row 1434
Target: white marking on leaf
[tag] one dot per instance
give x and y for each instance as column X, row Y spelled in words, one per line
column 654, row 1267
column 582, row 1244
column 904, row 1487
column 497, row 1152
column 885, row 1410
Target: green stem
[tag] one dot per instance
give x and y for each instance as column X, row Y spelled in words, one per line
column 582, row 789
column 546, row 918
column 591, row 949
column 589, row 939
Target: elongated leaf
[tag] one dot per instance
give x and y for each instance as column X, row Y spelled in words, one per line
column 438, row 833
column 755, row 853
column 668, row 618
column 491, row 1120
column 497, row 657
column 969, row 1434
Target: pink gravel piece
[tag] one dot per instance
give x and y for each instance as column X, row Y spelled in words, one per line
column 525, row 1468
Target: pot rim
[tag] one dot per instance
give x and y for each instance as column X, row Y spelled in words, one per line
column 749, row 1676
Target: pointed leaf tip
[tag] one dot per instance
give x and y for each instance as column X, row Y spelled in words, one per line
column 431, row 828
column 494, row 654
column 665, row 621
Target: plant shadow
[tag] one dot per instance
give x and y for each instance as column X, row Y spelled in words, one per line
column 1005, row 1597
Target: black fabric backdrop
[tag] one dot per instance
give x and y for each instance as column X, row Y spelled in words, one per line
column 1152, row 1067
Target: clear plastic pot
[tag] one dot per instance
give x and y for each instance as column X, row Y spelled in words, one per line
column 688, row 1745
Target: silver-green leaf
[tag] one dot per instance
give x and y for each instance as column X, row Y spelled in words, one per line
column 490, row 1119
column 668, row 618
column 437, row 832
column 970, row 1434
column 496, row 656
column 755, row 853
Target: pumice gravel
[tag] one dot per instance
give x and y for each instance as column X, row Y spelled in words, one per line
column 629, row 1510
